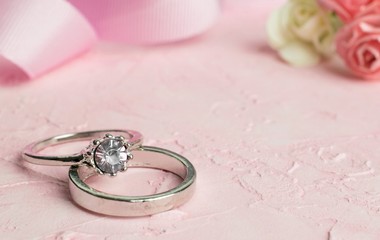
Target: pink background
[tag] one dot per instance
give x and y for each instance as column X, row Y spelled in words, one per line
column 281, row 153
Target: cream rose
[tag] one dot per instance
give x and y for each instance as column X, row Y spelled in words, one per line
column 302, row 32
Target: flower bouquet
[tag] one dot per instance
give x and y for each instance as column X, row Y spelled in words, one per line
column 304, row 32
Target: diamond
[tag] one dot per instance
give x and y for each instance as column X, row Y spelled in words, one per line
column 111, row 155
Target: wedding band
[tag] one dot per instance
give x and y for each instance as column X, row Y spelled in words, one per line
column 132, row 206
column 109, row 152
column 106, row 153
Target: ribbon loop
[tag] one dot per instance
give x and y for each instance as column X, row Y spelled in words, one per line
column 149, row 21
column 38, row 35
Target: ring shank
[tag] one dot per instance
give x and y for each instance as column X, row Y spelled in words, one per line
column 31, row 151
column 117, row 205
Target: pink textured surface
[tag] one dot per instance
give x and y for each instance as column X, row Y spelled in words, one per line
column 281, row 153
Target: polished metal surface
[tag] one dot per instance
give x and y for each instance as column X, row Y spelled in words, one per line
column 117, row 205
column 32, row 153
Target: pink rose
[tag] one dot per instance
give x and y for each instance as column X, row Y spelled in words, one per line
column 347, row 9
column 358, row 43
column 373, row 8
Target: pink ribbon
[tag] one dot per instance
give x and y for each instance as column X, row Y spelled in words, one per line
column 38, row 35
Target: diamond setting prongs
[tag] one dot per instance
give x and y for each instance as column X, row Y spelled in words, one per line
column 108, row 155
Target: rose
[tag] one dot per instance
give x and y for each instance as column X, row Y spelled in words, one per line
column 301, row 31
column 347, row 9
column 358, row 43
column 370, row 9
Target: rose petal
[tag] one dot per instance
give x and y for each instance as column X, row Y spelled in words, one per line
column 301, row 12
column 308, row 28
column 370, row 24
column 370, row 8
column 276, row 36
column 348, row 9
column 299, row 54
column 346, row 39
column 323, row 41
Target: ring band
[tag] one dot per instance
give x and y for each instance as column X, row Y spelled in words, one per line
column 31, row 151
column 131, row 206
column 109, row 154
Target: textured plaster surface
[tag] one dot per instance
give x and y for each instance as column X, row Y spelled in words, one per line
column 281, row 153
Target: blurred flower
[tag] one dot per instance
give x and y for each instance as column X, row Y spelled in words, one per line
column 302, row 32
column 358, row 43
column 347, row 9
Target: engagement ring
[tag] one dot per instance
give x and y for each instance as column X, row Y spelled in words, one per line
column 109, row 152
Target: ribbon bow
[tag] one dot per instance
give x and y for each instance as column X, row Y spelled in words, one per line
column 39, row 35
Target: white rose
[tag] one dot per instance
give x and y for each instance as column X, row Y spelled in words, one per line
column 302, row 32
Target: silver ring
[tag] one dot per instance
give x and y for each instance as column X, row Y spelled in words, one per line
column 117, row 205
column 108, row 152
